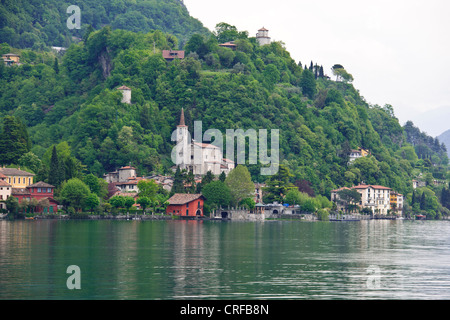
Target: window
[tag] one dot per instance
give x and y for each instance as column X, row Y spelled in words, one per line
column 39, row 190
column 49, row 190
column 187, row 205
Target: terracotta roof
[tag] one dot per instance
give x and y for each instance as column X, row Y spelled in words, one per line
column 2, row 176
column 10, row 55
column 20, row 191
column 123, row 88
column 127, row 194
column 4, row 184
column 41, row 184
column 371, row 186
column 127, row 168
column 228, row 44
column 263, row 29
column 183, row 198
column 15, row 172
column 172, row 54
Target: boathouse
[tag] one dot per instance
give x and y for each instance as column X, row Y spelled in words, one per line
column 186, row 205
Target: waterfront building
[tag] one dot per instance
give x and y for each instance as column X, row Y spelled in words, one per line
column 374, row 197
column 186, row 205
column 43, row 194
column 5, row 191
column 17, row 178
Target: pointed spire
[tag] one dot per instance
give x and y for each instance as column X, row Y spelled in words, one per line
column 182, row 123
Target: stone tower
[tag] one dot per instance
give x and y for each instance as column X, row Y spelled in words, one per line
column 126, row 94
column 183, row 148
column 263, row 36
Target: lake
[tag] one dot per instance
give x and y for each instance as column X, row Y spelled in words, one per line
column 225, row 260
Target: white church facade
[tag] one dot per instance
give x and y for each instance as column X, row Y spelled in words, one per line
column 199, row 157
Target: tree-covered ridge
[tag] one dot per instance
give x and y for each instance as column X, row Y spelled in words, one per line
column 37, row 24
column 73, row 99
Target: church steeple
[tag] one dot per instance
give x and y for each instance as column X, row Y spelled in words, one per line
column 182, row 122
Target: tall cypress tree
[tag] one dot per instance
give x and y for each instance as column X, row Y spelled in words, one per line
column 178, row 182
column 54, row 172
column 423, row 201
column 14, row 141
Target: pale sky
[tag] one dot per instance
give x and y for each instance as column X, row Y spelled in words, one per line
column 396, row 50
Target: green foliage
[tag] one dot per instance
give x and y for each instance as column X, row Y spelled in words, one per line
column 148, row 189
column 14, row 142
column 217, row 194
column 27, row 24
column 74, row 193
column 240, row 184
column 77, row 108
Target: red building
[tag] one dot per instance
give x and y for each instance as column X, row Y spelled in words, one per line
column 40, row 191
column 186, row 205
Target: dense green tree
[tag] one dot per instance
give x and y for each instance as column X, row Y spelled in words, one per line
column 144, row 202
column 92, row 201
column 217, row 194
column 308, row 84
column 148, row 189
column 240, row 184
column 74, row 193
column 14, row 142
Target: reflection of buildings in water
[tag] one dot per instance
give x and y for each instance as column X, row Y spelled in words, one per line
column 378, row 243
column 126, row 254
column 195, row 261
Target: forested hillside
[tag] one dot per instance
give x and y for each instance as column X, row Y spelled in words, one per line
column 38, row 24
column 72, row 102
column 445, row 139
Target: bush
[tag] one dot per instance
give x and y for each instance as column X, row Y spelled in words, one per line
column 323, row 215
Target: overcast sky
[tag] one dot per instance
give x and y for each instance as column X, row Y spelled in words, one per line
column 396, row 50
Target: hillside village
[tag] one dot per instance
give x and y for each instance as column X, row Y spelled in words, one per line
column 38, row 197
column 360, row 199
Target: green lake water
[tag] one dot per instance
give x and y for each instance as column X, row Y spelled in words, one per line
column 225, row 260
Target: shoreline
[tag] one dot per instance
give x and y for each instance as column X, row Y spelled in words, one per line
column 248, row 219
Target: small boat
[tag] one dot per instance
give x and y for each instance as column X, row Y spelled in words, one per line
column 420, row 217
column 29, row 218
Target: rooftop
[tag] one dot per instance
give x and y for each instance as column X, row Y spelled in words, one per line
column 183, row 198
column 15, row 172
column 4, row 184
column 172, row 54
column 41, row 184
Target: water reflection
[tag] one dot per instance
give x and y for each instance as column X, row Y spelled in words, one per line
column 215, row 260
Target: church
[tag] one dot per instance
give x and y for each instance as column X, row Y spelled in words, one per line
column 210, row 157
